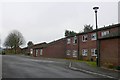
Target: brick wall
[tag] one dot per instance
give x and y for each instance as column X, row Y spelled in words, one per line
column 72, row 47
column 55, row 49
column 109, row 53
column 88, row 45
column 91, row 44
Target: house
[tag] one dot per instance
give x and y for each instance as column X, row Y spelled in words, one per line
column 84, row 47
column 72, row 47
column 55, row 49
column 25, row 50
column 37, row 49
column 110, row 50
column 87, row 49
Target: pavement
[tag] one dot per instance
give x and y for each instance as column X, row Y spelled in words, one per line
column 84, row 67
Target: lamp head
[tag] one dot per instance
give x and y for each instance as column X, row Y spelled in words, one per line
column 95, row 8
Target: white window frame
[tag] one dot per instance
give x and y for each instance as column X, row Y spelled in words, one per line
column 84, row 52
column 68, row 41
column 41, row 52
column 74, row 40
column 93, row 36
column 31, row 51
column 93, row 52
column 104, row 33
column 84, row 38
column 36, row 51
column 68, row 52
column 74, row 53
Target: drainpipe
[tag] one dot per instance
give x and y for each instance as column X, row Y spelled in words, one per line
column 78, row 47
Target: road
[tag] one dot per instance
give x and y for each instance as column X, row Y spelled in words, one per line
column 14, row 66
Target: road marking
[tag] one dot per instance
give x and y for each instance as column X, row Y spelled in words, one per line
column 45, row 61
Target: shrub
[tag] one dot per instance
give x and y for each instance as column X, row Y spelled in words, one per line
column 118, row 67
column 109, row 65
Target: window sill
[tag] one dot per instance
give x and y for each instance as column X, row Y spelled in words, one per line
column 93, row 39
column 84, row 55
column 94, row 55
column 74, row 56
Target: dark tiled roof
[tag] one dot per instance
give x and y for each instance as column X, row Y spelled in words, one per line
column 40, row 45
column 111, row 35
column 100, row 29
column 53, row 42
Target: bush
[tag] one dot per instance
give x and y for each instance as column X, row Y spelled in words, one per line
column 109, row 65
column 118, row 67
column 28, row 54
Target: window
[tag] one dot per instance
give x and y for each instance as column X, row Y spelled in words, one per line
column 68, row 52
column 84, row 38
column 31, row 51
column 74, row 53
column 75, row 40
column 68, row 41
column 104, row 33
column 93, row 36
column 93, row 52
column 84, row 52
column 41, row 51
column 36, row 52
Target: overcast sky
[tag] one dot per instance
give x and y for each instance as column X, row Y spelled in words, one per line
column 47, row 21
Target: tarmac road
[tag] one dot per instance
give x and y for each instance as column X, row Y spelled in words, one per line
column 14, row 66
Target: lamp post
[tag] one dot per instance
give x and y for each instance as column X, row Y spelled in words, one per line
column 97, row 42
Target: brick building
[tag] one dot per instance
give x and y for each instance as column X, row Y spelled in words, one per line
column 72, row 47
column 55, row 49
column 85, row 46
column 82, row 46
column 37, row 50
column 110, row 50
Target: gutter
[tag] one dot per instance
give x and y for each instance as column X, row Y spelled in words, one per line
column 90, row 72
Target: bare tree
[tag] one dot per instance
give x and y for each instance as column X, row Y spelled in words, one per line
column 14, row 40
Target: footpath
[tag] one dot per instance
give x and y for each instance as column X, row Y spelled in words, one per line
column 84, row 67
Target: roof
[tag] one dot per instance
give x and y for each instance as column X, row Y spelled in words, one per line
column 53, row 42
column 100, row 29
column 111, row 36
column 40, row 45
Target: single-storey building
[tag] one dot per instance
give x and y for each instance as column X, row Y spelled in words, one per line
column 55, row 49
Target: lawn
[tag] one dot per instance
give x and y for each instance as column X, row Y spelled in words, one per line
column 91, row 63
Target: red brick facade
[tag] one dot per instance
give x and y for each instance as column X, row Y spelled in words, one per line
column 87, row 42
column 72, row 47
column 55, row 49
column 109, row 51
column 82, row 46
column 38, row 49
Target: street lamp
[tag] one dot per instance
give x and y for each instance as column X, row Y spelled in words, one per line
column 97, row 41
